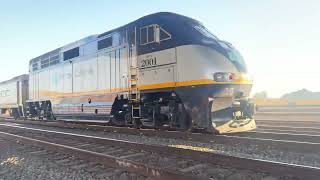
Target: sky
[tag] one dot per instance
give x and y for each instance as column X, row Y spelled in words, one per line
column 279, row 39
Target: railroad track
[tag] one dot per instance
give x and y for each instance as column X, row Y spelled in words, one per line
column 285, row 136
column 86, row 148
column 20, row 161
column 288, row 109
column 304, row 117
column 292, row 123
column 155, row 161
column 304, row 126
column 289, row 129
column 278, row 141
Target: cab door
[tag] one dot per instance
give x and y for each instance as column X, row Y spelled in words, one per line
column 132, row 46
column 133, row 68
column 157, row 64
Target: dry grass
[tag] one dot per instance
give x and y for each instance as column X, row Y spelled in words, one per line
column 15, row 161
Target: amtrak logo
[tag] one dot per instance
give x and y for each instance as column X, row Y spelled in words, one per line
column 239, row 123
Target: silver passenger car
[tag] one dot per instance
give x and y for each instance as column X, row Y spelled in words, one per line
column 13, row 95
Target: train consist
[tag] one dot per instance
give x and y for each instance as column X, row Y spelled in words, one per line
column 163, row 69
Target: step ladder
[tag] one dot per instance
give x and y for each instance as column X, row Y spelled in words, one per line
column 134, row 93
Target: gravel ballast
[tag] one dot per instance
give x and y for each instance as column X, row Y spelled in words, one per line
column 24, row 162
column 235, row 149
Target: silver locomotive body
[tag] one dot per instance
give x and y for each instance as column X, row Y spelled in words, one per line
column 163, row 70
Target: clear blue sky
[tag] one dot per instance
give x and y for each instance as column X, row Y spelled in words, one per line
column 280, row 40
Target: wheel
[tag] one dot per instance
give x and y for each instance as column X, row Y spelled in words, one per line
column 115, row 120
column 128, row 119
column 137, row 123
column 184, row 121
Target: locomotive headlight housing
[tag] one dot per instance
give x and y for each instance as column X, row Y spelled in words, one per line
column 224, row 77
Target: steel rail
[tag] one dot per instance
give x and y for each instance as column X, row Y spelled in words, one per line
column 238, row 138
column 107, row 160
column 255, row 165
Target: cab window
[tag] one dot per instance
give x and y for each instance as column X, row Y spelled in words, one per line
column 153, row 33
column 147, row 35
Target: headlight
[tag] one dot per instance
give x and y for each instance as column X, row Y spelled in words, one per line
column 224, row 77
column 230, row 77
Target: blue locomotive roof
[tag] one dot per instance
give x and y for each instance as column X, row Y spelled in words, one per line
column 166, row 19
column 68, row 46
column 183, row 31
column 186, row 31
column 163, row 17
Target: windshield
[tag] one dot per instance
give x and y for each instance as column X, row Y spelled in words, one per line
column 237, row 59
column 234, row 56
column 223, row 47
column 204, row 31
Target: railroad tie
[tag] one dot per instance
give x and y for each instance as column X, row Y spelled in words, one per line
column 132, row 155
column 73, row 163
column 64, row 160
column 83, row 145
column 106, row 174
column 195, row 167
column 80, row 166
column 3, row 172
column 114, row 151
column 59, row 157
column 41, row 152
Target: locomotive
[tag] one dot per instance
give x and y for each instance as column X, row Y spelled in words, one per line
column 162, row 70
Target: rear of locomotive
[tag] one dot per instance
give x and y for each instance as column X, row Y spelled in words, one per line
column 214, row 82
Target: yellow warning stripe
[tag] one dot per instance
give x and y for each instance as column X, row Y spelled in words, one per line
column 189, row 83
column 143, row 88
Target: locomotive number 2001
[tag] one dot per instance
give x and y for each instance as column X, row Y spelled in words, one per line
column 149, row 62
